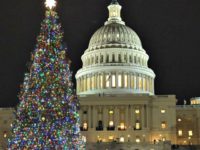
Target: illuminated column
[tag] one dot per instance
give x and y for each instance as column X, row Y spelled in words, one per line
column 104, row 80
column 137, row 82
column 129, row 80
column 105, row 117
column 148, row 115
column 117, row 78
column 89, row 117
column 84, row 84
column 131, row 117
column 141, row 82
column 148, row 84
column 98, row 81
column 142, row 116
column 127, row 116
column 145, row 116
column 94, row 113
column 116, row 117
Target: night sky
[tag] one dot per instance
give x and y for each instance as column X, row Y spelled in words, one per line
column 168, row 29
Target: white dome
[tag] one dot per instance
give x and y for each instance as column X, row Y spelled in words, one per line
column 115, row 62
column 114, row 35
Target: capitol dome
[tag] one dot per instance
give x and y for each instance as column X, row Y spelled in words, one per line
column 114, row 34
column 115, row 61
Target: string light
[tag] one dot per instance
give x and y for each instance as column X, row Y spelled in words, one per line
column 50, row 4
column 47, row 115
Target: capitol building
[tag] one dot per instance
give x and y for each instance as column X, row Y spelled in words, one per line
column 115, row 87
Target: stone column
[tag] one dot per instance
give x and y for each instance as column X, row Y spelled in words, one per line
column 131, row 117
column 94, row 115
column 89, row 117
column 129, row 80
column 127, row 116
column 137, row 81
column 145, row 116
column 142, row 116
column 105, row 117
column 116, row 117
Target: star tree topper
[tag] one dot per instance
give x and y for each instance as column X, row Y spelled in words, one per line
column 50, row 4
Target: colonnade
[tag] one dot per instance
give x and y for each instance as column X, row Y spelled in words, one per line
column 97, row 81
column 130, row 116
column 115, row 57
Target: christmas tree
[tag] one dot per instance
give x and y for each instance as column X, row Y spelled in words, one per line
column 47, row 115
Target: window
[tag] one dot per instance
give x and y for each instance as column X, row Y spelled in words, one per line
column 107, row 81
column 125, row 81
column 113, row 81
column 137, row 140
column 111, row 112
column 111, row 138
column 122, row 126
column 84, row 112
column 121, row 140
column 162, row 111
column 100, row 126
column 137, row 111
column 5, row 134
column 179, row 120
column 137, row 125
column 190, row 133
column 180, row 132
column 85, row 126
column 163, row 125
column 111, row 123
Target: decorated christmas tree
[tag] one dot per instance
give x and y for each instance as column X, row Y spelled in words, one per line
column 47, row 115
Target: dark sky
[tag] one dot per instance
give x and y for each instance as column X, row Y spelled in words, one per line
column 169, row 31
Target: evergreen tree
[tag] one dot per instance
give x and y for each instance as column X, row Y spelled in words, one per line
column 47, row 115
